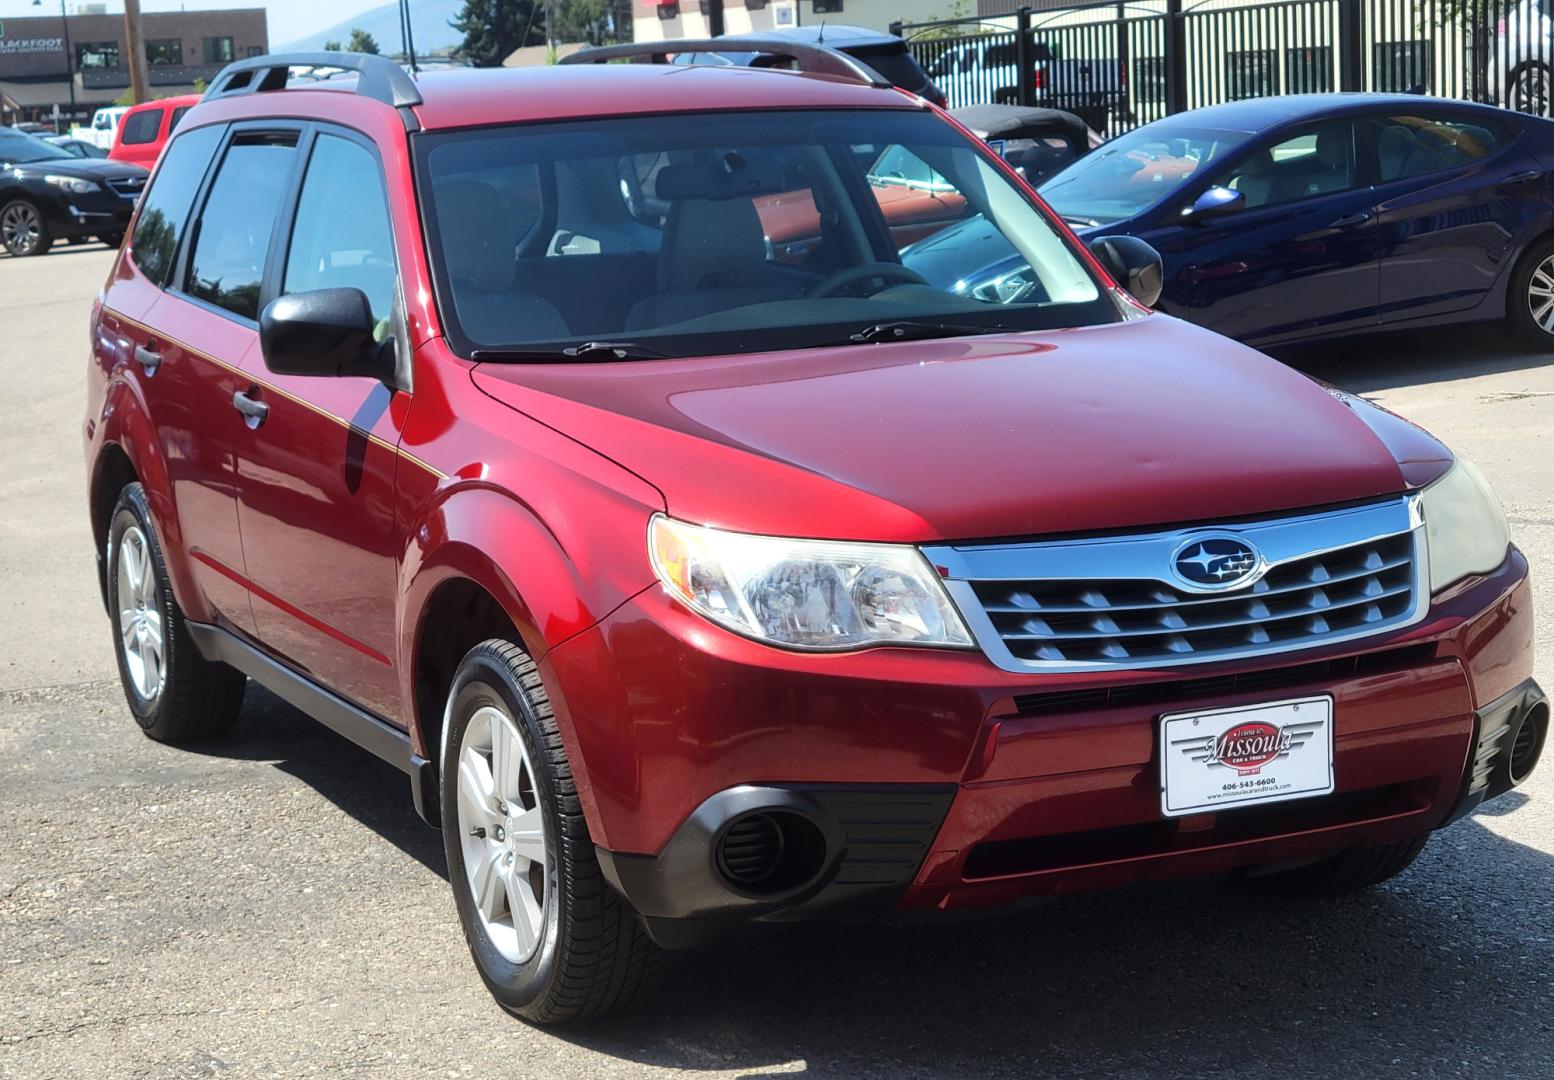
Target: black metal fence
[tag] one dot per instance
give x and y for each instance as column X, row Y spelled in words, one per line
column 1127, row 62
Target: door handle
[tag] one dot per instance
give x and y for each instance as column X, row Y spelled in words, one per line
column 149, row 360
column 1359, row 217
column 1521, row 178
column 254, row 412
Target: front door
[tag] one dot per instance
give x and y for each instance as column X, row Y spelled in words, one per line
column 1300, row 257
column 316, row 471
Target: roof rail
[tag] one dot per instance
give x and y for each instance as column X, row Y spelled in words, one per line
column 378, row 77
column 815, row 59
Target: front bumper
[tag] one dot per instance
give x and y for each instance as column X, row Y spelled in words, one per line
column 100, row 213
column 938, row 781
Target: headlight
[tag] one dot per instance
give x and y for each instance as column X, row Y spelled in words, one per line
column 73, row 184
column 1464, row 524
column 805, row 594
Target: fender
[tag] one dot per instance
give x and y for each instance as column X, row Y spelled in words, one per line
column 481, row 533
column 125, row 422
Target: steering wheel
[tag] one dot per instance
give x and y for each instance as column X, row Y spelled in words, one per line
column 852, row 275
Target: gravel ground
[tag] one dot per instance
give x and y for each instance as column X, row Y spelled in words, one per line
column 275, row 908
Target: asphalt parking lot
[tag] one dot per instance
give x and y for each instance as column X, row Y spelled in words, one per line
column 275, row 908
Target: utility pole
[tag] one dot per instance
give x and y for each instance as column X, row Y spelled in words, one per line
column 137, row 53
column 714, row 18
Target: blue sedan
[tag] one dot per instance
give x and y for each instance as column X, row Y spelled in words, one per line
column 1287, row 219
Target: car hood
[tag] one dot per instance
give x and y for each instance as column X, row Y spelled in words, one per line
column 86, row 168
column 1141, row 423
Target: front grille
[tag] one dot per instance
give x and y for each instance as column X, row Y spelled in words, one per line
column 1112, row 602
column 128, row 186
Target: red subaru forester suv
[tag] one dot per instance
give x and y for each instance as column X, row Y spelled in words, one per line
column 698, row 580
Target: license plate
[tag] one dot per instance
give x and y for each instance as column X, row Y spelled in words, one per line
column 1224, row 758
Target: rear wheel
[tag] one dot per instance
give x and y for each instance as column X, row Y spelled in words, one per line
column 175, row 693
column 1529, row 298
column 1347, row 872
column 551, row 939
column 23, row 231
column 1531, row 90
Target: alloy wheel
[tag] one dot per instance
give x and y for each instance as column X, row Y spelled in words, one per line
column 140, row 615
column 1540, row 295
column 21, row 228
column 502, row 834
column 1530, row 94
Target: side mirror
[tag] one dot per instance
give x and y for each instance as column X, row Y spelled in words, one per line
column 1133, row 264
column 1214, row 202
column 323, row 332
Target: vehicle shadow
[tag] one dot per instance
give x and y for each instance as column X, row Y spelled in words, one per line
column 1384, row 362
column 370, row 790
column 1442, row 972
column 1445, row 971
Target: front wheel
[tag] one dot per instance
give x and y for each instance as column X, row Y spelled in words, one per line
column 552, row 940
column 1530, row 90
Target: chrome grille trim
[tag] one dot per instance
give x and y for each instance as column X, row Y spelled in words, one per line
column 1112, row 602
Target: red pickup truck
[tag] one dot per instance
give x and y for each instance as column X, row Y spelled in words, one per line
column 696, row 587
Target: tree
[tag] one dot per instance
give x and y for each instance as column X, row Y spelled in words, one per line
column 493, row 29
column 362, row 42
column 597, row 22
column 331, row 46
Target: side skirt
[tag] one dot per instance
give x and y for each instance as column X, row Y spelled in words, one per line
column 372, row 733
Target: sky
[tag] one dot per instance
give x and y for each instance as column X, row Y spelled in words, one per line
column 289, row 19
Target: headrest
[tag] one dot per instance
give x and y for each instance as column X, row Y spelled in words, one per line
column 477, row 234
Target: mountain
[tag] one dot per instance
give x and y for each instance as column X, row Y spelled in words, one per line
column 429, row 18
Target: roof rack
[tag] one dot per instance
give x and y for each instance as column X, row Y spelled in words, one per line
column 378, row 77
column 815, row 59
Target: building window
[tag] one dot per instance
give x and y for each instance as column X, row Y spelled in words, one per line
column 1308, row 70
column 1400, row 66
column 827, row 7
column 164, row 52
column 254, row 50
column 218, row 50
column 97, row 55
column 1250, row 74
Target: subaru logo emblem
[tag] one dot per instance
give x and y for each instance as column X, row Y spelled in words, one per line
column 1216, row 562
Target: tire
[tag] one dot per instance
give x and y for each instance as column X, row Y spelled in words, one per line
column 175, row 694
column 1347, row 872
column 113, row 240
column 581, row 951
column 24, row 231
column 1529, row 298
column 1531, row 89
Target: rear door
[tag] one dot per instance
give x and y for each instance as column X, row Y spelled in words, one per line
column 1455, row 193
column 184, row 366
column 1299, row 259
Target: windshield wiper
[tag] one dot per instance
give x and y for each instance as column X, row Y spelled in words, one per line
column 592, row 350
column 917, row 331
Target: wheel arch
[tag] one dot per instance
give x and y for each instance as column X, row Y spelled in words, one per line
column 482, row 565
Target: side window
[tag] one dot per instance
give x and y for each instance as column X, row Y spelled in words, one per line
column 165, row 209
column 914, row 198
column 233, row 238
column 142, row 128
column 1409, row 146
column 1318, row 161
column 178, row 115
column 341, row 236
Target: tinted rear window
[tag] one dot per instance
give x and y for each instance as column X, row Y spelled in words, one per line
column 142, row 128
column 235, row 226
column 895, row 63
column 165, row 209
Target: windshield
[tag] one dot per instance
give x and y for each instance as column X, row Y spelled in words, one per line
column 1135, row 170
column 716, row 233
column 21, row 149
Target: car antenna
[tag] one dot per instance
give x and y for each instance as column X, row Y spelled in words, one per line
column 820, row 38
